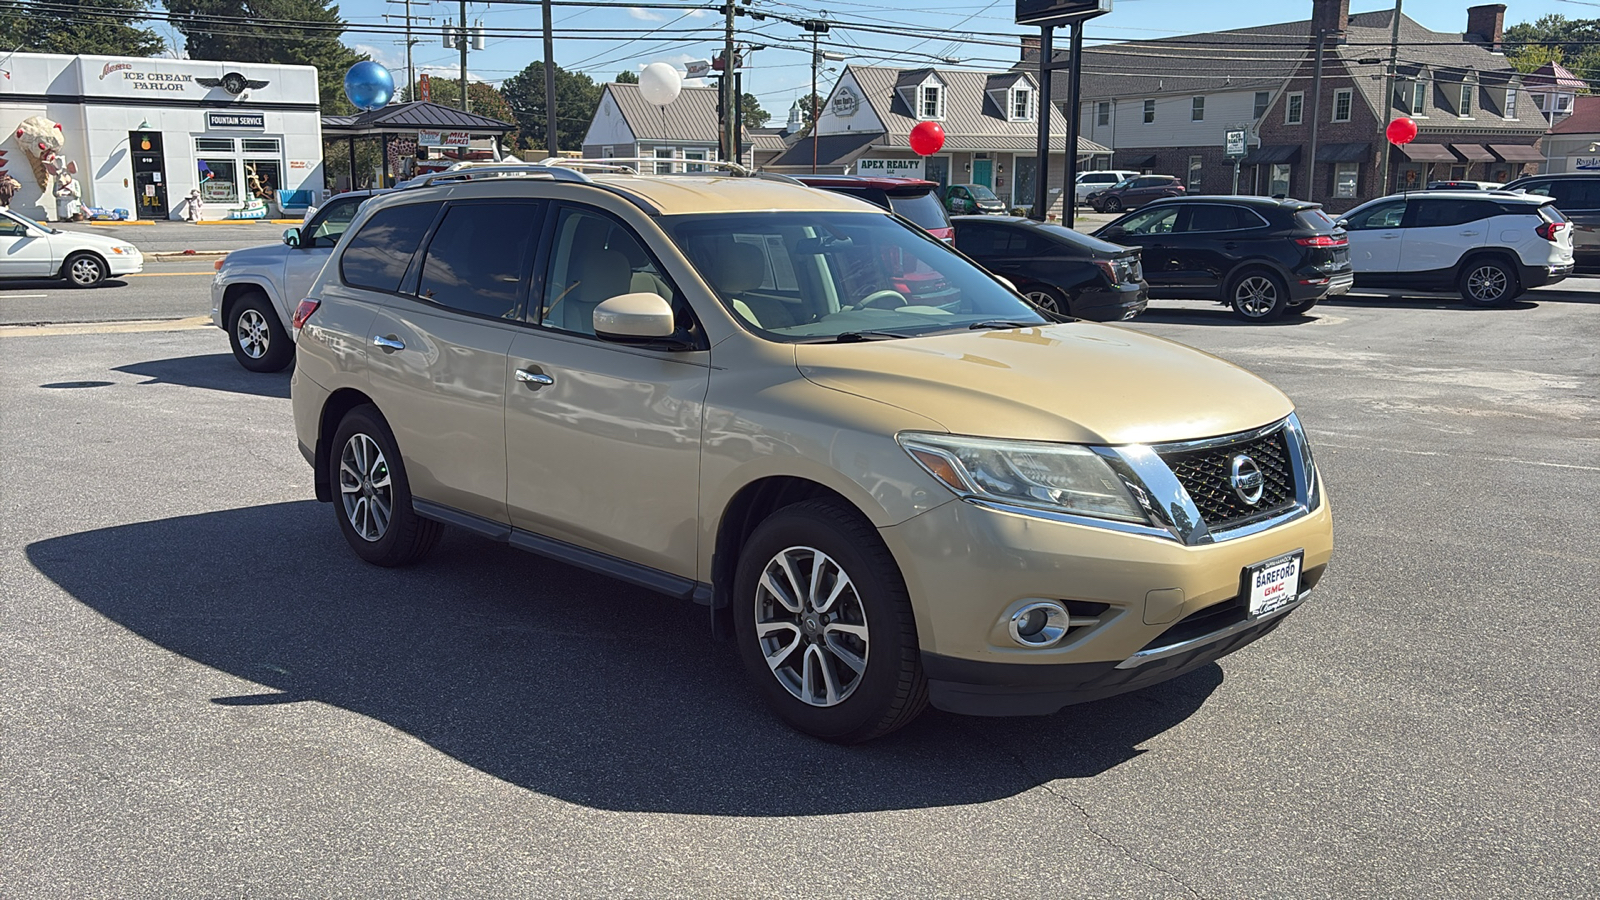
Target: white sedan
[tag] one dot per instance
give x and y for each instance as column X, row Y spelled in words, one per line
column 31, row 250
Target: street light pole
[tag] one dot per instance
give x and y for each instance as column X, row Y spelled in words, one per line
column 1069, row 191
column 1041, row 169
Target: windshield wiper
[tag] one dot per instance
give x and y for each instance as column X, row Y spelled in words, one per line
column 1001, row 323
column 854, row 337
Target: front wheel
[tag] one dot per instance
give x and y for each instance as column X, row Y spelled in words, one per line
column 374, row 499
column 1112, row 205
column 1488, row 282
column 1258, row 296
column 84, row 270
column 259, row 341
column 824, row 625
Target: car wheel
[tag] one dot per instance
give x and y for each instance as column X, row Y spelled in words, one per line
column 373, row 502
column 259, row 342
column 1258, row 296
column 1112, row 205
column 1300, row 309
column 1049, row 299
column 84, row 270
column 1488, row 282
column 824, row 625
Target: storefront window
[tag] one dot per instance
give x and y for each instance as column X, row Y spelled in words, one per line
column 1344, row 179
column 1279, row 183
column 263, row 178
column 219, row 180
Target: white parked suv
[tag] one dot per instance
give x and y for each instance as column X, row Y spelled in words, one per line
column 1489, row 246
column 256, row 290
column 1089, row 182
column 29, row 249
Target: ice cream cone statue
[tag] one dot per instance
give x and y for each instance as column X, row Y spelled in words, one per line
column 43, row 141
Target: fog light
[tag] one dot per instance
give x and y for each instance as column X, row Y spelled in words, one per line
column 1039, row 624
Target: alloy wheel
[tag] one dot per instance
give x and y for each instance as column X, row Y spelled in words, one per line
column 365, row 488
column 1043, row 301
column 85, row 270
column 1487, row 284
column 254, row 337
column 1255, row 296
column 811, row 626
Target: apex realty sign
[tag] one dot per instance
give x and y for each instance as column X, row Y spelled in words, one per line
column 898, row 168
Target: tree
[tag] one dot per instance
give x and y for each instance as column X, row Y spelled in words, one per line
column 629, row 77
column 808, row 107
column 78, row 26
column 232, row 30
column 1529, row 57
column 482, row 98
column 577, row 97
column 754, row 115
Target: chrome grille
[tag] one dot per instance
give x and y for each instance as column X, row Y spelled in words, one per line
column 1207, row 473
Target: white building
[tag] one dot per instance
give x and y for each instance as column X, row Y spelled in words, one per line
column 143, row 132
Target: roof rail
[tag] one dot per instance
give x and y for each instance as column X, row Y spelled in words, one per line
column 610, row 163
column 509, row 170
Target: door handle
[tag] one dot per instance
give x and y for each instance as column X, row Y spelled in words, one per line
column 1469, row 234
column 1229, row 246
column 534, row 380
column 1391, row 237
column 388, row 343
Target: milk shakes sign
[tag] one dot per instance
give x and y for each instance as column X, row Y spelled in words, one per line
column 898, row 168
column 148, row 81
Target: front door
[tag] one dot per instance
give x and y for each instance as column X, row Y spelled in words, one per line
column 983, row 172
column 149, row 175
column 1375, row 240
column 1151, row 231
column 603, row 440
column 24, row 251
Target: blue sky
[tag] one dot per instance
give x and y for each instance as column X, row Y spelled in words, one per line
column 778, row 76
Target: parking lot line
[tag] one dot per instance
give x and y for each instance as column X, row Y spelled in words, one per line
column 190, row 324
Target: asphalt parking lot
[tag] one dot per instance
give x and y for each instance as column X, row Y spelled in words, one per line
column 205, row 694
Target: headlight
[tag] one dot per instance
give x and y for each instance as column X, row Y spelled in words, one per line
column 1065, row 478
column 124, row 250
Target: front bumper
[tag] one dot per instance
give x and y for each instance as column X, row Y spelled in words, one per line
column 1161, row 607
column 124, row 264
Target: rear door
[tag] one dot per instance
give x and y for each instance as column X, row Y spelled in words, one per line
column 1211, row 239
column 304, row 263
column 1438, row 231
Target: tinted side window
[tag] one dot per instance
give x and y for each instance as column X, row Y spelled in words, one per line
column 1215, row 217
column 1576, row 193
column 478, row 257
column 1440, row 213
column 1384, row 215
column 1155, row 221
column 378, row 256
column 976, row 240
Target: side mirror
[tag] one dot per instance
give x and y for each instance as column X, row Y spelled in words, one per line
column 291, row 237
column 1342, row 223
column 1008, row 283
column 635, row 318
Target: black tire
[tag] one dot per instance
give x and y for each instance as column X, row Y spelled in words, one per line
column 85, row 270
column 891, row 689
column 1112, row 205
column 1488, row 281
column 1258, row 295
column 256, row 335
column 1048, row 298
column 1300, row 309
column 401, row 538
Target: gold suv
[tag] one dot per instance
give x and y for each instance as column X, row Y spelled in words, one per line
column 892, row 480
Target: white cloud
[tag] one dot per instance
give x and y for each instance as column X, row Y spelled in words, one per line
column 389, row 57
column 645, row 15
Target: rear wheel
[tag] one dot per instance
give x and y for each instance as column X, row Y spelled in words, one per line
column 824, row 625
column 1488, row 282
column 1049, row 299
column 374, row 499
column 1258, row 296
column 259, row 341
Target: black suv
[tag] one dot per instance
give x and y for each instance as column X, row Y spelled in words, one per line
column 1577, row 195
column 1262, row 256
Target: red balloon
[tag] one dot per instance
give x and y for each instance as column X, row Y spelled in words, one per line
column 927, row 138
column 1401, row 131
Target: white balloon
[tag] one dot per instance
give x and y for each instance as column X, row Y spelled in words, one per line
column 660, row 83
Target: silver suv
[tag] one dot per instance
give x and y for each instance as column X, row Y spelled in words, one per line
column 845, row 438
column 255, row 291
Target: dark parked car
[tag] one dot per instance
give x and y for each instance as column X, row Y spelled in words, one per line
column 911, row 198
column 969, row 199
column 1058, row 269
column 1262, row 256
column 1132, row 193
column 1577, row 195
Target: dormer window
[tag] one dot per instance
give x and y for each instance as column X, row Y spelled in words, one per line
column 1464, row 110
column 1510, row 109
column 930, row 100
column 1419, row 97
column 1021, row 105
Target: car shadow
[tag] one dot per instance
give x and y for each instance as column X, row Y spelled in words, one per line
column 211, row 371
column 546, row 676
column 1177, row 315
column 1423, row 301
column 58, row 284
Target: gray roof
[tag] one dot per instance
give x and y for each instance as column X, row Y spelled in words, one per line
column 692, row 117
column 831, row 150
column 419, row 114
column 973, row 119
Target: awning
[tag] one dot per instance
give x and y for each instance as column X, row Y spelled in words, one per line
column 1514, row 153
column 1339, row 153
column 1139, row 162
column 1272, row 154
column 1472, row 153
column 1426, row 153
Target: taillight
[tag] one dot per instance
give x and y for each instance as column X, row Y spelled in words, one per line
column 304, row 311
column 1323, row 240
column 1549, row 230
column 217, row 266
column 1108, row 267
column 1118, row 270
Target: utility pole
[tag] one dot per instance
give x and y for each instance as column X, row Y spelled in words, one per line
column 411, row 78
column 1388, row 97
column 1041, row 168
column 1316, row 116
column 554, row 145
column 461, row 37
column 818, row 28
column 729, row 137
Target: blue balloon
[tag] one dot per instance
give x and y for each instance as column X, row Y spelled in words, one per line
column 368, row 85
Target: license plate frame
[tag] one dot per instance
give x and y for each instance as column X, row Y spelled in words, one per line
column 1266, row 590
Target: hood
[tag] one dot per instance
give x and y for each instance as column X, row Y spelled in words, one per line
column 264, row 255
column 1076, row 382
column 991, row 204
column 91, row 238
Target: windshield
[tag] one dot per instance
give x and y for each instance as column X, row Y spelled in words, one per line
column 805, row 276
column 1123, row 183
column 979, row 192
column 923, row 209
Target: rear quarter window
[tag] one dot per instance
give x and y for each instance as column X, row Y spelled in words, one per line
column 1314, row 220
column 379, row 254
column 1549, row 213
